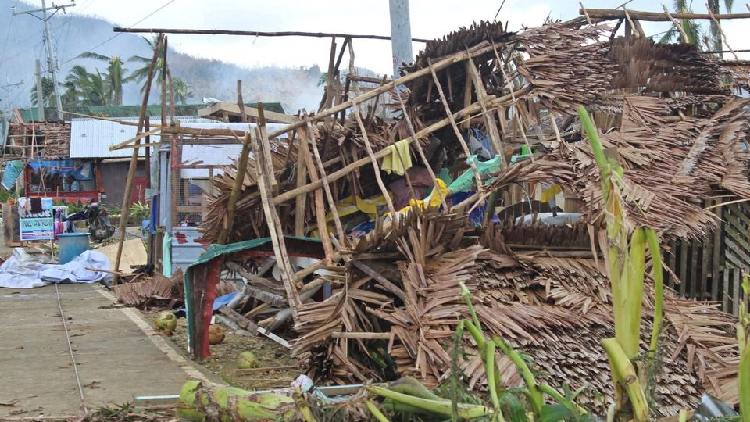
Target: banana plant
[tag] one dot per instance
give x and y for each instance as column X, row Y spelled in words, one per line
column 627, row 261
column 743, row 372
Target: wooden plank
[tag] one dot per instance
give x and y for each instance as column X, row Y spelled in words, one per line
column 361, row 336
column 301, row 201
column 694, row 285
column 716, row 263
column 705, row 267
column 725, row 290
column 683, row 274
column 742, row 260
column 736, row 292
column 672, row 262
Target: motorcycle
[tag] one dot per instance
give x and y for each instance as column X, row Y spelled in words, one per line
column 100, row 228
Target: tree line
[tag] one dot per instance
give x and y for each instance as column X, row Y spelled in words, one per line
column 84, row 88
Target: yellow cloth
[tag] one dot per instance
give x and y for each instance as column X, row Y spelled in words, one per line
column 549, row 194
column 399, row 158
column 350, row 205
column 432, row 200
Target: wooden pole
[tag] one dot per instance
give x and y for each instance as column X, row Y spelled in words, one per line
column 253, row 33
column 677, row 23
column 489, row 118
column 274, row 227
column 124, row 213
column 266, row 147
column 240, row 103
column 474, row 108
column 607, row 14
column 301, row 203
column 326, row 187
column 320, row 215
column 456, row 130
column 368, row 146
column 236, row 188
column 420, row 151
column 456, row 58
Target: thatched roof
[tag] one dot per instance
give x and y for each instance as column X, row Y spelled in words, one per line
column 556, row 310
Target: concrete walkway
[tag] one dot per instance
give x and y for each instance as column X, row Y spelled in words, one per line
column 118, row 355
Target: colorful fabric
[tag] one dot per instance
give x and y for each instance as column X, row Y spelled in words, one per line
column 549, row 193
column 466, row 180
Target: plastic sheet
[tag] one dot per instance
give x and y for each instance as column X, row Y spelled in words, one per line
column 20, row 271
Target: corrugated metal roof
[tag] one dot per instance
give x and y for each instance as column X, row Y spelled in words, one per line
column 90, row 138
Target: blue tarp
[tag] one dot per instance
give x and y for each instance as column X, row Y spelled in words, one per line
column 13, row 170
column 65, row 167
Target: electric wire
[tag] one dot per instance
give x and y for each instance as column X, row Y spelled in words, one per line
column 70, row 349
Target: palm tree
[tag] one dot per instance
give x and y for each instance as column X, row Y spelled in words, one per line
column 48, row 93
column 693, row 29
column 181, row 90
column 114, row 77
column 86, row 88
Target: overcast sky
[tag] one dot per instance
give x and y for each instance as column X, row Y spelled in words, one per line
column 429, row 19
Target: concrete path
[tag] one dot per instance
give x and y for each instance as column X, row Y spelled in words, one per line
column 117, row 353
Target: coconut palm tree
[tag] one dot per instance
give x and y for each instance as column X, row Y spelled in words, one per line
column 85, row 88
column 114, row 77
column 693, row 29
column 48, row 93
column 181, row 90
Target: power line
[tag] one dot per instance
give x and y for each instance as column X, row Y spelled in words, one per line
column 120, row 33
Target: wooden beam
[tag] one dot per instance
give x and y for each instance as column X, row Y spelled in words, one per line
column 254, row 33
column 655, row 16
column 234, row 194
column 336, row 175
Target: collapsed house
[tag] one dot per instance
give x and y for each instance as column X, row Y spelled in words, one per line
column 396, row 212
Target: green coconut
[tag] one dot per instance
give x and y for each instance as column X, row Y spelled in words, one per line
column 167, row 321
column 247, row 360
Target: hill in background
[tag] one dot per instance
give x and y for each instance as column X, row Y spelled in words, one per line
column 21, row 44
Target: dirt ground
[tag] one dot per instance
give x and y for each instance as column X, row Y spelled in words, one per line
column 223, row 360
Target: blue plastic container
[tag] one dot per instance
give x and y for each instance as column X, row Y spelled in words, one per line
column 72, row 245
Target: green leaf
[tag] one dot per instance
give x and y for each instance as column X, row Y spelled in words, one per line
column 554, row 413
column 513, row 408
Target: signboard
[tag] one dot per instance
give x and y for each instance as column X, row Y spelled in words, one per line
column 37, row 220
column 37, row 228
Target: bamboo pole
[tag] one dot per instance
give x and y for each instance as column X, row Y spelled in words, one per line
column 723, row 35
column 677, row 23
column 456, row 130
column 254, row 33
column 441, row 64
column 489, row 117
column 420, row 151
column 134, row 161
column 266, row 146
column 301, row 203
column 236, row 188
column 365, row 139
column 326, row 187
column 320, row 215
column 474, row 108
column 274, row 227
column 655, row 16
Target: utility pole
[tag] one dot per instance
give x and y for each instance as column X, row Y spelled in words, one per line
column 52, row 65
column 7, row 88
column 400, row 34
column 39, row 91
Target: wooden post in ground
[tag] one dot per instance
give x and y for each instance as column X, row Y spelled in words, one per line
column 240, row 103
column 124, row 213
